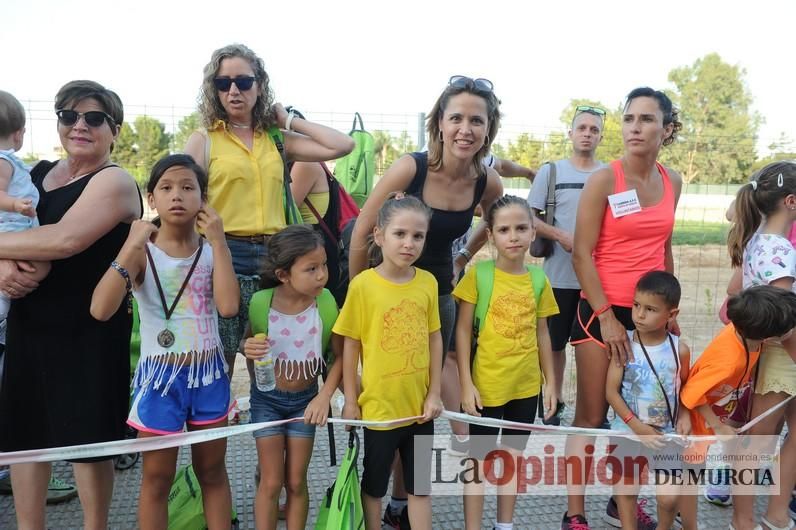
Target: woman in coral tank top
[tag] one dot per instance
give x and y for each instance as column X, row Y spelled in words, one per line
column 623, row 230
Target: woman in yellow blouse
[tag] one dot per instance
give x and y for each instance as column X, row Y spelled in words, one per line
column 245, row 168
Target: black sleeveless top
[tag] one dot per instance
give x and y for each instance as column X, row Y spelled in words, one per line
column 67, row 376
column 444, row 229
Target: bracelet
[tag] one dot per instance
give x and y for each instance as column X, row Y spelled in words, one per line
column 627, row 419
column 289, row 120
column 127, row 284
column 603, row 309
column 466, row 253
column 126, row 275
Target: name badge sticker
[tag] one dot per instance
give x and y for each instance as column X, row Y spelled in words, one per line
column 624, row 203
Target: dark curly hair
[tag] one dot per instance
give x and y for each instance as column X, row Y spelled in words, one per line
column 210, row 107
column 670, row 112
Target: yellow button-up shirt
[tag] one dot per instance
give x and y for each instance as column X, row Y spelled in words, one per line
column 245, row 185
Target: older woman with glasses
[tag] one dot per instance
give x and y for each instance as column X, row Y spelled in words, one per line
column 67, row 376
column 452, row 180
column 245, row 166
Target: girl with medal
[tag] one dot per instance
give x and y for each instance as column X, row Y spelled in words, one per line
column 182, row 282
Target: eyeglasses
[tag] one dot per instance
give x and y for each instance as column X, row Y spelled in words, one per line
column 597, row 111
column 480, row 84
column 243, row 82
column 93, row 118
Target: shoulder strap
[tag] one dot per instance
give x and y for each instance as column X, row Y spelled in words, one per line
column 480, row 187
column 259, row 306
column 292, row 215
column 550, row 205
column 538, row 280
column 419, row 180
column 484, row 279
column 327, row 308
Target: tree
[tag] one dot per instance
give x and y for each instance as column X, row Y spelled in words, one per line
column 525, row 150
column 187, row 126
column 124, row 148
column 153, row 141
column 384, row 145
column 717, row 142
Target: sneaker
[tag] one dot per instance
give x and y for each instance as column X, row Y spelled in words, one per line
column 398, row 522
column 458, row 447
column 57, row 490
column 60, row 491
column 718, row 495
column 555, row 419
column 643, row 519
column 576, row 522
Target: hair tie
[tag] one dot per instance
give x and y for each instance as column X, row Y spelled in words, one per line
column 780, row 181
column 754, row 185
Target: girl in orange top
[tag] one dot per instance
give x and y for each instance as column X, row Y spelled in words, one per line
column 623, row 230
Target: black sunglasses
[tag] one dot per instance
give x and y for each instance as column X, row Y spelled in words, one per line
column 243, row 82
column 597, row 111
column 480, row 84
column 93, row 118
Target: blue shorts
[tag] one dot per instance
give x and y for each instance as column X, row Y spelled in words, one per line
column 281, row 405
column 152, row 411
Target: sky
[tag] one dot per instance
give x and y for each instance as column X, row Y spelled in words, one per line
column 390, row 60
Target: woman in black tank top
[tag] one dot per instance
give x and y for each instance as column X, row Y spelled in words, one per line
column 71, row 371
column 452, row 180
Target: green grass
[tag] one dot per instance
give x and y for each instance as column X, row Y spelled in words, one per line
column 699, row 233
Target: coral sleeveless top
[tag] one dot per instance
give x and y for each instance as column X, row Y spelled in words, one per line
column 632, row 245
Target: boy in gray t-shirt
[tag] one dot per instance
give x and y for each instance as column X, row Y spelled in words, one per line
column 571, row 175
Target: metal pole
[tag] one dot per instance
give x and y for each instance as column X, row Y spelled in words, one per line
column 421, row 130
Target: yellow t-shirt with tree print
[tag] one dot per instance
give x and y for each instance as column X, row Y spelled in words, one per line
column 393, row 322
column 506, row 363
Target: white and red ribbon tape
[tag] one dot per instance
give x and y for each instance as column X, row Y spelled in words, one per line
column 193, row 437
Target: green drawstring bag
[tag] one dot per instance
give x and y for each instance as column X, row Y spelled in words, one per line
column 341, row 508
column 186, row 511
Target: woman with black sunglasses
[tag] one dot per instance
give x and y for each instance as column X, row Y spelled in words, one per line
column 452, row 180
column 71, row 372
column 245, row 167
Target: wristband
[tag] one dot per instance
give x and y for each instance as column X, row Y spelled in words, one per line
column 627, row 419
column 603, row 309
column 126, row 275
column 128, row 285
column 289, row 120
column 466, row 253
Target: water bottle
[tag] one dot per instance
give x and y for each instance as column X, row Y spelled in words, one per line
column 264, row 376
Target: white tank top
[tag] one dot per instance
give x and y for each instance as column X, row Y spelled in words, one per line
column 194, row 322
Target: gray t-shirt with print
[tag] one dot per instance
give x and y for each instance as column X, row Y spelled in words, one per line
column 569, row 184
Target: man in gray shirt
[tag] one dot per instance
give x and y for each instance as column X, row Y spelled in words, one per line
column 571, row 174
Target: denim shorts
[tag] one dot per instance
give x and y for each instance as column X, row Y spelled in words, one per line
column 281, row 405
column 247, row 261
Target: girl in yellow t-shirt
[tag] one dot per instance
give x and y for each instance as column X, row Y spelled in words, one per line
column 390, row 320
column 504, row 379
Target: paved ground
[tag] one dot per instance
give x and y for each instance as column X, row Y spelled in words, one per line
column 533, row 512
